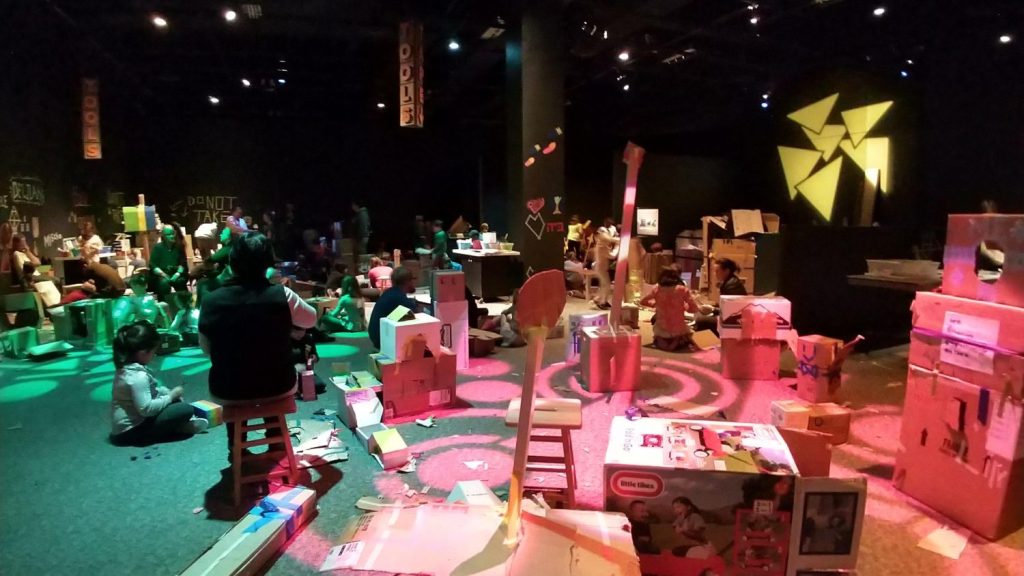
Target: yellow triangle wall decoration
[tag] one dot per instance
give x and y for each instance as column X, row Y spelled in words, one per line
column 820, row 188
column 828, row 140
column 815, row 115
column 859, row 121
column 872, row 153
column 797, row 164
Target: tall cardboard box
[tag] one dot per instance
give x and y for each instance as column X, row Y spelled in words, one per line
column 750, row 359
column 815, row 381
column 996, row 326
column 454, row 318
column 961, row 452
column 610, row 359
column 964, row 235
column 577, row 322
column 448, row 286
column 740, row 477
column 395, row 334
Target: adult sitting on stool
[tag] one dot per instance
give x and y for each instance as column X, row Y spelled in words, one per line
column 246, row 328
column 168, row 264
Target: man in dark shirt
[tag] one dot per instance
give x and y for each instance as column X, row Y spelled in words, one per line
column 729, row 284
column 246, row 328
column 402, row 284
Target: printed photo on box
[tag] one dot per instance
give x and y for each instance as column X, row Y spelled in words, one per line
column 827, row 525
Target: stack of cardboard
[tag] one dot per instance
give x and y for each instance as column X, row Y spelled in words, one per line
column 448, row 294
column 963, row 418
column 752, row 329
column 734, row 237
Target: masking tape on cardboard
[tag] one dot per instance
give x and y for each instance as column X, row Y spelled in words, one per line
column 284, row 502
column 613, row 555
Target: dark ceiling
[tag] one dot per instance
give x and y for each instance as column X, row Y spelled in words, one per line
column 692, row 63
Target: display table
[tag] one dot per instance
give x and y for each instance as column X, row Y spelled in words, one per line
column 491, row 274
column 739, row 477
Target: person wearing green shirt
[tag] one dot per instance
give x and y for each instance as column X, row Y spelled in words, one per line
column 140, row 305
column 439, row 250
column 348, row 315
column 167, row 264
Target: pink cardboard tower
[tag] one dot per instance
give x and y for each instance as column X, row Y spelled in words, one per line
column 612, row 354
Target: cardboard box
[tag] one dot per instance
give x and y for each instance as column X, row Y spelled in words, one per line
column 139, row 218
column 979, row 365
column 394, row 335
column 754, row 317
column 630, row 316
column 577, row 322
column 16, row 342
column 213, row 412
column 961, row 452
column 482, row 342
column 359, row 408
column 415, row 386
column 362, row 379
column 740, row 478
column 170, row 342
column 610, row 359
column 92, row 321
column 811, row 451
column 365, row 435
column 258, row 536
column 454, row 317
column 964, row 235
column 831, row 419
column 447, row 286
column 474, row 493
column 815, row 379
column 375, row 362
column 323, row 304
column 750, row 359
column 790, row 414
column 389, row 449
column 997, row 326
column 306, row 384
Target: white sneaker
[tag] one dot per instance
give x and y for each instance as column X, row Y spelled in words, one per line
column 195, row 425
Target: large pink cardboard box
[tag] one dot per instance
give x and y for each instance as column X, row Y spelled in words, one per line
column 738, row 478
column 750, row 359
column 978, row 365
column 610, row 359
column 996, row 326
column 964, row 235
column 961, row 452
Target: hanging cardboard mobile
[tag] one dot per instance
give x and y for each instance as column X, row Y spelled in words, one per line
column 538, row 308
column 633, row 157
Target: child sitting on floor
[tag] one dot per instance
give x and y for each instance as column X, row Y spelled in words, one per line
column 142, row 411
column 348, row 315
column 671, row 300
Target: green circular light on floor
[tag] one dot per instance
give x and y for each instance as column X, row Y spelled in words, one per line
column 26, row 390
column 336, row 350
column 102, row 393
column 203, row 367
column 98, row 358
column 349, row 335
column 189, row 352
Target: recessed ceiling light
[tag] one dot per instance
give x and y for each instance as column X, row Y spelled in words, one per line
column 764, row 96
column 246, row 83
column 880, row 11
column 624, row 55
column 605, row 35
column 754, row 19
column 159, row 21
column 213, row 100
column 625, row 87
column 230, row 15
column 453, row 45
column 380, row 105
column 281, row 81
column 904, row 73
column 1005, row 39
column 910, row 62
column 764, row 105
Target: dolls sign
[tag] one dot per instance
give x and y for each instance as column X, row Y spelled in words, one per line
column 91, row 147
column 410, row 74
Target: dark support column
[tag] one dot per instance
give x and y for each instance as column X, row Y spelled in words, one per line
column 535, row 101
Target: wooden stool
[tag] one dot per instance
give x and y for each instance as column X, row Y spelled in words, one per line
column 274, row 415
column 565, row 415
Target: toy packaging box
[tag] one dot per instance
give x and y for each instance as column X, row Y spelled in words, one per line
column 211, row 411
column 972, row 439
column 964, row 274
column 702, row 495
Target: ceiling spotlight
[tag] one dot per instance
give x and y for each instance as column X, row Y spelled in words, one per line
column 453, row 45
column 213, row 100
column 624, row 55
column 1005, row 39
column 764, row 105
column 605, row 35
column 880, row 11
column 910, row 62
column 159, row 21
column 904, row 73
column 754, row 19
column 246, row 83
column 625, row 87
column 230, row 15
column 764, row 96
column 380, row 105
column 281, row 81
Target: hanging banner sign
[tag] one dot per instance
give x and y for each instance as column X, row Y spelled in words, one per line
column 410, row 74
column 91, row 147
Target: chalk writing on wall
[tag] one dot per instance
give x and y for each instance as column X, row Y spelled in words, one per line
column 52, row 239
column 200, row 209
column 26, row 190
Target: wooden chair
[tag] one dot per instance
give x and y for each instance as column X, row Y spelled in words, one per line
column 563, row 415
column 279, row 447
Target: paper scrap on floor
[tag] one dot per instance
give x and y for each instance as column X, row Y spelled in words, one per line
column 705, row 340
column 683, row 406
column 946, row 541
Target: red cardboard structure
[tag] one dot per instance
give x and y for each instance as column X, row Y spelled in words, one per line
column 996, row 326
column 816, row 381
column 978, row 365
column 964, row 235
column 610, row 359
column 961, row 452
column 416, row 385
column 750, row 359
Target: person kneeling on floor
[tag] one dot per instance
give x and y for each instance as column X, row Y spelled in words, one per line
column 671, row 300
column 142, row 411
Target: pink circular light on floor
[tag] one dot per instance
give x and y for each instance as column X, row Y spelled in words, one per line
column 443, row 469
column 486, row 368
column 488, row 391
